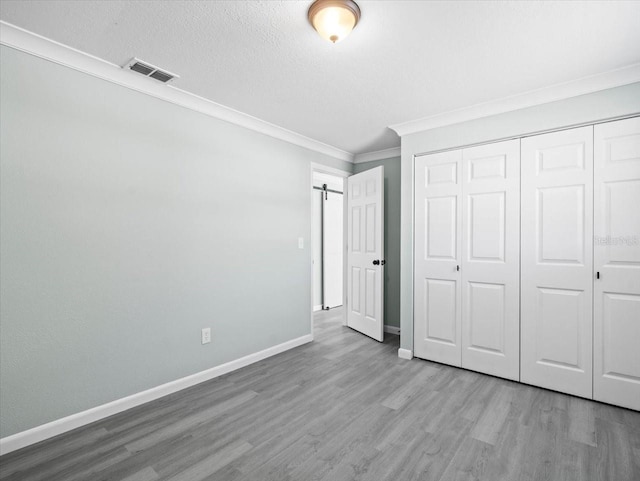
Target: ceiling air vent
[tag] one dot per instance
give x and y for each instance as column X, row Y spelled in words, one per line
column 148, row 70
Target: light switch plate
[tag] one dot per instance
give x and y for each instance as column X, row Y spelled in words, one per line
column 300, row 242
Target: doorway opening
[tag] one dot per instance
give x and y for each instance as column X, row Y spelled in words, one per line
column 328, row 240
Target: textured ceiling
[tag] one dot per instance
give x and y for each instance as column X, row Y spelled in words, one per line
column 405, row 60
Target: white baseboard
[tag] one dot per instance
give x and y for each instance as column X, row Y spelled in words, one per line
column 405, row 354
column 59, row 426
column 317, row 308
column 392, row 329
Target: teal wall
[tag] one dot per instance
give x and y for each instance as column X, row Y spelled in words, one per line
column 593, row 107
column 127, row 224
column 391, row 235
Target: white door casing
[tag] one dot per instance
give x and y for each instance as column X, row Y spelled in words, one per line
column 616, row 292
column 365, row 206
column 491, row 259
column 437, row 318
column 556, row 260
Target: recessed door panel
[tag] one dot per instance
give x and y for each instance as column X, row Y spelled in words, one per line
column 437, row 313
column 486, row 312
column 558, row 327
column 493, row 167
column 621, row 239
column 442, row 222
column 490, row 260
column 445, row 173
column 370, row 222
column 354, row 293
column 567, row 157
column 620, row 148
column 365, row 252
column 616, row 316
column 441, row 302
column 561, row 218
column 556, row 260
column 620, row 333
column 486, row 226
column 370, row 294
column 356, row 225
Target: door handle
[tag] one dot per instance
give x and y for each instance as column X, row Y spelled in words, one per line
column 376, row 262
column 457, row 268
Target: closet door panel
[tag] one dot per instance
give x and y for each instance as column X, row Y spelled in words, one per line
column 437, row 255
column 490, row 259
column 617, row 260
column 556, row 260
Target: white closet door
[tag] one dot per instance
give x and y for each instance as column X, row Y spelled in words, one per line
column 617, row 260
column 437, row 257
column 365, row 273
column 556, row 270
column 491, row 259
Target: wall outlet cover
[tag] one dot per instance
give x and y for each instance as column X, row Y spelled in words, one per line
column 206, row 335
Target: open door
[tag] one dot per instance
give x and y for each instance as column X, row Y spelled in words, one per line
column 365, row 252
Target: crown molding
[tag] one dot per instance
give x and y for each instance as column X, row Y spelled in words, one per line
column 613, row 78
column 376, row 155
column 39, row 46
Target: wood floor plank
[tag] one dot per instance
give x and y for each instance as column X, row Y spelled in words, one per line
column 582, row 426
column 185, row 424
column 212, row 463
column 490, row 424
column 404, row 393
column 146, row 474
column 346, row 408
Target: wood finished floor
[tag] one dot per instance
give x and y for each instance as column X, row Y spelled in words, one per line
column 346, row 408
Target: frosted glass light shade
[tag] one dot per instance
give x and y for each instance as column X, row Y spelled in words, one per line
column 334, row 19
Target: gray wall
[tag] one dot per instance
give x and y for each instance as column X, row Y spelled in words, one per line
column 127, row 225
column 592, row 107
column 391, row 235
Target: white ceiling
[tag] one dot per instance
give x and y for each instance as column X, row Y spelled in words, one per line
column 405, row 60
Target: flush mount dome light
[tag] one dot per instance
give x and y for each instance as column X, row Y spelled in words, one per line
column 334, row 19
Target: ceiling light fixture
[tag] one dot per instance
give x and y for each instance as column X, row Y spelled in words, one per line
column 334, row 19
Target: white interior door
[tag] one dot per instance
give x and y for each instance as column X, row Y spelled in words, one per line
column 491, row 259
column 556, row 264
column 438, row 217
column 617, row 261
column 365, row 265
column 332, row 249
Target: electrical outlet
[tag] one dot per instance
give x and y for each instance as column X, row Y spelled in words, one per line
column 206, row 335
